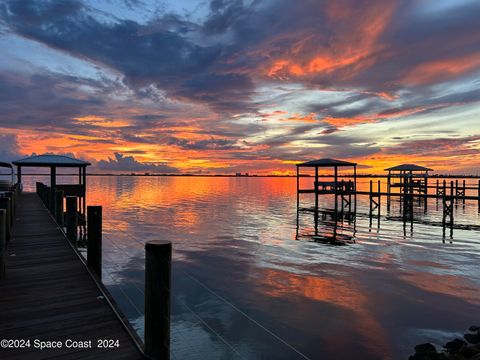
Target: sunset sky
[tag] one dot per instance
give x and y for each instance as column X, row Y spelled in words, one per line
column 223, row 86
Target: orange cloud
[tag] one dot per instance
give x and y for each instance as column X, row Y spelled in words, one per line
column 343, row 121
column 352, row 43
column 444, row 69
column 309, row 118
column 101, row 121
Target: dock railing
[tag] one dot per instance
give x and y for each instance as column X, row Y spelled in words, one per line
column 8, row 210
column 158, row 256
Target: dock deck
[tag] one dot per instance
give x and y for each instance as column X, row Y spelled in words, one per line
column 49, row 295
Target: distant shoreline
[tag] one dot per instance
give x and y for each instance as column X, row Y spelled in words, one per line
column 443, row 176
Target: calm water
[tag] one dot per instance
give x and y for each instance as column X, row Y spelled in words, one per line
column 244, row 285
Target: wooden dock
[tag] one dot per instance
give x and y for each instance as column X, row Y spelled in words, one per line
column 49, row 295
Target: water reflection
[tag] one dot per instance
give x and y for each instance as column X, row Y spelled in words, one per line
column 251, row 282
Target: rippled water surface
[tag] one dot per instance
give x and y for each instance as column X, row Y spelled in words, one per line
column 246, row 286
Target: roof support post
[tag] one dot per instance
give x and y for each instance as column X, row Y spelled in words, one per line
column 355, row 187
column 53, row 187
column 336, row 191
column 298, row 187
column 19, row 174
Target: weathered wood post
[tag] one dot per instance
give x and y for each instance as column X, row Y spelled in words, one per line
column 11, row 196
column 5, row 205
column 158, row 257
column 379, row 203
column 371, row 197
column 3, row 242
column 388, row 191
column 14, row 191
column 59, row 207
column 451, row 205
column 47, row 197
column 457, row 191
column 342, row 195
column 94, row 239
column 72, row 218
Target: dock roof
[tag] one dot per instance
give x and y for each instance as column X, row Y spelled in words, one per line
column 5, row 164
column 327, row 163
column 50, row 160
column 409, row 167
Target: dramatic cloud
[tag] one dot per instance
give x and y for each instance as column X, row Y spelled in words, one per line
column 128, row 163
column 251, row 85
column 9, row 149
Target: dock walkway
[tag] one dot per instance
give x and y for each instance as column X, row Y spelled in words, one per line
column 49, row 295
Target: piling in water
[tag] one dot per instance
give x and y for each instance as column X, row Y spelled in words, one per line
column 59, row 207
column 5, row 205
column 72, row 220
column 3, row 242
column 158, row 258
column 94, row 239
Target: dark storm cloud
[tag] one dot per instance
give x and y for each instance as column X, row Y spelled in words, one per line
column 207, row 144
column 143, row 54
column 458, row 146
column 221, row 74
column 53, row 102
column 43, row 100
column 224, row 15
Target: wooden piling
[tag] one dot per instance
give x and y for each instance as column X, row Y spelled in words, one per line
column 3, row 242
column 47, row 197
column 451, row 212
column 456, row 191
column 379, row 204
column 94, row 239
column 5, row 205
column 298, row 188
column 371, row 198
column 388, row 191
column 59, row 207
column 72, row 219
column 158, row 258
column 9, row 194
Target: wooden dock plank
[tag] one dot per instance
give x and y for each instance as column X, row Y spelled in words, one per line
column 48, row 294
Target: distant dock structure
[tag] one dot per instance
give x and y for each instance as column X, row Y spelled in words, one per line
column 345, row 189
column 410, row 179
column 405, row 183
column 344, row 193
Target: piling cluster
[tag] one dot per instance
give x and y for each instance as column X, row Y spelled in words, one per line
column 69, row 220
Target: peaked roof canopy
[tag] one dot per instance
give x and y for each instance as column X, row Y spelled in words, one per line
column 327, row 163
column 409, row 167
column 51, row 161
